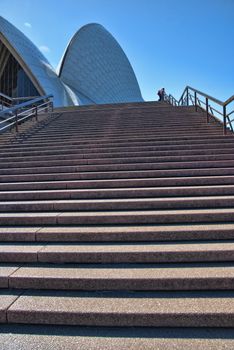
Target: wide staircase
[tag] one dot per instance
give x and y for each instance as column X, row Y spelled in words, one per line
column 117, row 231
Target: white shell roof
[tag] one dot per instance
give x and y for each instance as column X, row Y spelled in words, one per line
column 95, row 66
column 93, row 70
column 39, row 66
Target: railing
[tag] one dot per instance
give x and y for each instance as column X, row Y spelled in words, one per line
column 5, row 101
column 171, row 99
column 210, row 105
column 12, row 117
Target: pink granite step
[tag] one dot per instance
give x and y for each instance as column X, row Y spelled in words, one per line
column 41, row 337
column 212, row 182
column 103, row 193
column 118, row 217
column 73, row 155
column 146, row 233
column 141, row 252
column 152, row 160
column 117, row 167
column 113, row 153
column 104, row 175
column 167, row 309
column 146, row 278
column 118, row 204
column 137, row 253
column 206, row 139
column 203, row 146
column 179, row 232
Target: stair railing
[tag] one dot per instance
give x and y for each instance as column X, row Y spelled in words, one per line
column 221, row 111
column 12, row 117
column 171, row 99
column 5, row 101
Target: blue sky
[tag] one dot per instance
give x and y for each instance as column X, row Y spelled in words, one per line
column 170, row 43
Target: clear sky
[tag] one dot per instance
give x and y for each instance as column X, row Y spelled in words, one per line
column 170, row 43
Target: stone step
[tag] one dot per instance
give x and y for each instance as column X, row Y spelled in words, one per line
column 118, row 217
column 73, row 161
column 185, row 142
column 127, row 127
column 123, row 160
column 141, row 252
column 116, row 167
column 41, row 337
column 105, row 152
column 126, row 118
column 111, row 139
column 150, row 130
column 73, row 155
column 130, row 233
column 190, row 183
column 127, row 203
column 152, row 309
column 128, row 141
column 111, row 277
column 82, row 149
column 104, row 193
column 122, row 135
column 131, row 174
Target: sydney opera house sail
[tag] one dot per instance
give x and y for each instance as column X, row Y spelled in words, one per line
column 14, row 82
column 93, row 70
column 95, row 67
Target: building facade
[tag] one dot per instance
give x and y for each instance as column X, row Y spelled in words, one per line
column 93, row 70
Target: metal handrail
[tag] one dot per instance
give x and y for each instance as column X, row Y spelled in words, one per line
column 8, row 101
column 24, row 111
column 5, row 96
column 171, row 99
column 5, row 100
column 193, row 96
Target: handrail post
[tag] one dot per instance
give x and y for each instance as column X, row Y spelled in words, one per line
column 16, row 121
column 187, row 97
column 224, row 120
column 36, row 113
column 207, row 110
column 195, row 98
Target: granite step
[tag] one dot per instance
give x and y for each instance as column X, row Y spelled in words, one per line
column 131, row 174
column 118, row 217
column 104, row 193
column 73, row 155
column 149, row 159
column 122, row 150
column 111, row 277
column 114, row 204
column 176, row 183
column 188, row 139
column 163, row 165
column 147, row 126
column 119, row 233
column 83, row 149
column 104, row 253
column 185, row 142
column 111, row 139
column 41, row 337
column 151, row 130
column 123, row 135
column 152, row 309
